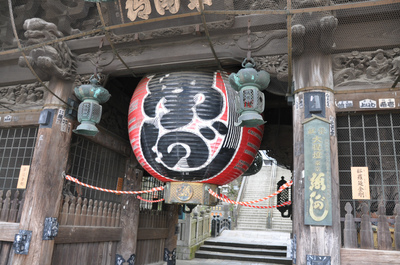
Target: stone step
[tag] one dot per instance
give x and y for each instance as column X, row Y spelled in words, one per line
column 257, row 229
column 252, row 221
column 253, row 250
column 242, row 257
column 252, row 225
column 252, row 217
column 257, row 187
column 253, row 210
column 243, row 252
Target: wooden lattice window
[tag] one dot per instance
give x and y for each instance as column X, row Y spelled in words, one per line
column 16, row 149
column 373, row 141
column 95, row 165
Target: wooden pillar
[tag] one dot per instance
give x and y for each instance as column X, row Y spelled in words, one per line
column 130, row 209
column 172, row 239
column 313, row 73
column 45, row 182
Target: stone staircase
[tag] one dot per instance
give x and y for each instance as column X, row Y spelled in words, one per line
column 280, row 223
column 247, row 246
column 258, row 186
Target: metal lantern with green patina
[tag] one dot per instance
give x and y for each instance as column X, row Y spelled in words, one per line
column 250, row 102
column 89, row 111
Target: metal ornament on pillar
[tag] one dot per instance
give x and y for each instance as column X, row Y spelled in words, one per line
column 250, row 102
column 89, row 111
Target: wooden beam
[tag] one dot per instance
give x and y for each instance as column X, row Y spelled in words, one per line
column 68, row 234
column 152, row 233
column 26, row 118
column 314, row 70
column 112, row 142
column 8, row 231
column 350, row 256
column 172, row 238
column 45, row 182
column 356, row 97
column 130, row 211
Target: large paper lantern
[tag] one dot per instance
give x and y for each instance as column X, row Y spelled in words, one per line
column 181, row 128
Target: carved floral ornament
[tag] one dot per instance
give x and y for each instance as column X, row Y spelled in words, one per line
column 276, row 65
column 22, row 95
column 142, row 8
column 380, row 66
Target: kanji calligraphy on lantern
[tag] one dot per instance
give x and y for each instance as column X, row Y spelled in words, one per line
column 317, row 172
column 360, row 183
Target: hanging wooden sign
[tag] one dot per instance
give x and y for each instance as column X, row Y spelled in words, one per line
column 120, row 184
column 23, row 177
column 360, row 183
column 184, row 16
column 317, row 172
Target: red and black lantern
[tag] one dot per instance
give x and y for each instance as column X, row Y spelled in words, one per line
column 181, row 128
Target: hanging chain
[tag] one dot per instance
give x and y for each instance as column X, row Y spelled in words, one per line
column 248, row 40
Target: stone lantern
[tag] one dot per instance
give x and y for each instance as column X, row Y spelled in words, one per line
column 250, row 102
column 89, row 111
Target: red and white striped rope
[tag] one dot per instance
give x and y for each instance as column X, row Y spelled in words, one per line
column 140, row 198
column 68, row 177
column 247, row 205
column 284, row 186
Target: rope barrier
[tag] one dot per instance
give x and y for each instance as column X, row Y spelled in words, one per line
column 247, row 205
column 284, row 186
column 140, row 198
column 68, row 177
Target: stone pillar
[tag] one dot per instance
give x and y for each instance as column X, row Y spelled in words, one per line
column 183, row 245
column 312, row 72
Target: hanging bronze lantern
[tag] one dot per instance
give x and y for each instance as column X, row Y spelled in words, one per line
column 250, row 102
column 89, row 111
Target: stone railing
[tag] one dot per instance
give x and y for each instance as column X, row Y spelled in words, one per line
column 193, row 230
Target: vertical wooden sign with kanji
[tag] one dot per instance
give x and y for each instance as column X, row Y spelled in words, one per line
column 360, row 183
column 317, row 172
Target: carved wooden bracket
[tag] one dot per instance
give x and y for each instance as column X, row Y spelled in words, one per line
column 50, row 60
column 313, row 32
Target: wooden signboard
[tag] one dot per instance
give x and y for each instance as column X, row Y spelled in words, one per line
column 23, row 177
column 360, row 183
column 120, row 184
column 317, row 172
column 186, row 14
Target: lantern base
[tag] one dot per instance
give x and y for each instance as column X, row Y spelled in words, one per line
column 190, row 193
column 86, row 128
column 250, row 119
